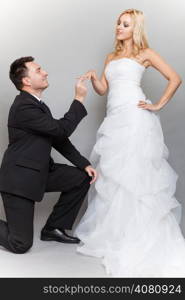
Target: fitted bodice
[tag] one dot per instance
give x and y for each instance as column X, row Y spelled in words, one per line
column 125, row 70
column 124, row 78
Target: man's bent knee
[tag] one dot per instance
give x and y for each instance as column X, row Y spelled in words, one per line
column 83, row 175
column 19, row 247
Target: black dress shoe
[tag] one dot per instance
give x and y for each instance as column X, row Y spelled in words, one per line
column 58, row 235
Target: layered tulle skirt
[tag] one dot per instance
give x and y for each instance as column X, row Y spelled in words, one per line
column 132, row 217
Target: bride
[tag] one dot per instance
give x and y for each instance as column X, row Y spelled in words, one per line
column 131, row 220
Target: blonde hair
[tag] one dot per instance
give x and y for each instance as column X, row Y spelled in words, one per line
column 139, row 34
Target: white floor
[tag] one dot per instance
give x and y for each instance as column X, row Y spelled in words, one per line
column 49, row 259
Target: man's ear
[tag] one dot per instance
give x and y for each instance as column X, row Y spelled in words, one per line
column 26, row 81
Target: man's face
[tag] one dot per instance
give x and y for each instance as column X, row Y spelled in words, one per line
column 36, row 77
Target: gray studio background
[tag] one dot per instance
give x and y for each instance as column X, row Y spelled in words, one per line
column 69, row 37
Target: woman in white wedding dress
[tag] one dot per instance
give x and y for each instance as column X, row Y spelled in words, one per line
column 131, row 218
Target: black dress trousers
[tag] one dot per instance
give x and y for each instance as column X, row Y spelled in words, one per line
column 16, row 234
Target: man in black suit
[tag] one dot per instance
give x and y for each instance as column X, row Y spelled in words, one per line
column 27, row 169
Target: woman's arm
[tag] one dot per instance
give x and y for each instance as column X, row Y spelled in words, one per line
column 100, row 85
column 168, row 72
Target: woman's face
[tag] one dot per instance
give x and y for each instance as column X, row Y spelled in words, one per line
column 125, row 27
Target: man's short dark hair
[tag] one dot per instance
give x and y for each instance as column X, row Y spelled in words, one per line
column 18, row 70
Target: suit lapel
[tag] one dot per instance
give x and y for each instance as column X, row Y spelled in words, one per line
column 28, row 97
column 46, row 108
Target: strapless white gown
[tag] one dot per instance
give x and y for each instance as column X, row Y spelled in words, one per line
column 131, row 220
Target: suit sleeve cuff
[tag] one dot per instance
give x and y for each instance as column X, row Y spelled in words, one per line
column 81, row 106
column 83, row 164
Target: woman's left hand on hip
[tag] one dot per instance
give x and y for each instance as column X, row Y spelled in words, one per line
column 145, row 105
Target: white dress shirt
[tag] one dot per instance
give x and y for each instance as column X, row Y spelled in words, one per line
column 36, row 97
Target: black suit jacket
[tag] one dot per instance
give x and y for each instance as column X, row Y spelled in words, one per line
column 32, row 133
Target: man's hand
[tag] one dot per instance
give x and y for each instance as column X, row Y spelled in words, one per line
column 80, row 89
column 92, row 173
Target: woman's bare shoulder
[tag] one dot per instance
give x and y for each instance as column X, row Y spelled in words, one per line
column 148, row 53
column 146, row 56
column 109, row 57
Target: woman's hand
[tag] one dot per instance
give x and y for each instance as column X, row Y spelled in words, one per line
column 91, row 75
column 149, row 106
column 92, row 173
column 100, row 85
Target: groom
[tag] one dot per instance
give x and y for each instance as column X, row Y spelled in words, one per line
column 28, row 170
